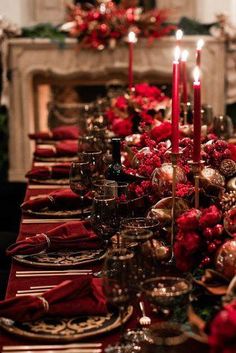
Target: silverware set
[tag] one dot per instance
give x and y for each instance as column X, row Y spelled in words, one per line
column 57, row 348
column 52, row 273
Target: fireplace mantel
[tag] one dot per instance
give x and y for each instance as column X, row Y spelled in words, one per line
column 28, row 57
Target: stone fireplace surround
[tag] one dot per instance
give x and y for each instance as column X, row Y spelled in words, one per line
column 30, row 57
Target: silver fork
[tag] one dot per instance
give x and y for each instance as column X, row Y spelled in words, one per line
column 144, row 320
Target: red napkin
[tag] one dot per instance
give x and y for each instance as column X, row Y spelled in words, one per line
column 61, row 149
column 55, row 172
column 58, row 133
column 72, row 235
column 83, row 296
column 62, row 200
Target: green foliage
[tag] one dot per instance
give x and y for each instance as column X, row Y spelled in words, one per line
column 44, row 30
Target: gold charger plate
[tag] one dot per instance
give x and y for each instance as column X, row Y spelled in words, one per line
column 64, row 181
column 56, row 159
column 46, row 213
column 61, row 259
column 65, row 330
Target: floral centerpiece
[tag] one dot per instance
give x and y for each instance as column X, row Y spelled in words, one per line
column 142, row 106
column 103, row 25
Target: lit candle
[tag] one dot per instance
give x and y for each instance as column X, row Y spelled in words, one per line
column 102, row 9
column 200, row 44
column 184, row 57
column 197, row 116
column 175, row 102
column 131, row 39
column 179, row 35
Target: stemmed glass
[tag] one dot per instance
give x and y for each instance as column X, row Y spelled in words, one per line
column 117, row 272
column 169, row 296
column 104, row 217
column 80, row 180
column 95, row 160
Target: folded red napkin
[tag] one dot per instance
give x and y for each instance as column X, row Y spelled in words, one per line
column 64, row 199
column 58, row 133
column 55, row 172
column 76, row 235
column 83, row 296
column 61, row 149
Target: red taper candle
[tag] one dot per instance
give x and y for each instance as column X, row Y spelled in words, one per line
column 131, row 39
column 175, row 102
column 184, row 57
column 200, row 44
column 197, row 116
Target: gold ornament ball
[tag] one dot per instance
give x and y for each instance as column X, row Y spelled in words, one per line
column 225, row 261
column 231, row 185
column 212, row 176
column 163, row 178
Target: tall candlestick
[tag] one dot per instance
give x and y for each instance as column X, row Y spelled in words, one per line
column 131, row 40
column 197, row 116
column 200, row 44
column 175, row 102
column 184, row 57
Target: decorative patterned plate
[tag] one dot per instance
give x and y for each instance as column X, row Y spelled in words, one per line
column 64, row 181
column 58, row 214
column 65, row 259
column 56, row 159
column 65, row 330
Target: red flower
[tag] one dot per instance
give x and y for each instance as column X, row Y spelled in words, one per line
column 161, row 132
column 122, row 127
column 232, row 149
column 189, row 220
column 222, row 338
column 121, row 103
column 184, row 190
column 186, row 245
column 210, row 217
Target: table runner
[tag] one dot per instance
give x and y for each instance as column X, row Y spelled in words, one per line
column 15, row 284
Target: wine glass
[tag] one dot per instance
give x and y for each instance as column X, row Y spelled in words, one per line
column 169, row 295
column 95, row 160
column 80, row 180
column 104, row 217
column 117, row 272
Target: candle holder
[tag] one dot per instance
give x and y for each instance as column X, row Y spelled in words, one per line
column 174, row 159
column 196, row 169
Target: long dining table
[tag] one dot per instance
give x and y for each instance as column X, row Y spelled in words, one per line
column 22, row 283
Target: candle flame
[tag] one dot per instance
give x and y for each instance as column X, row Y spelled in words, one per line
column 179, row 34
column 184, row 55
column 200, row 44
column 102, row 8
column 196, row 74
column 132, row 37
column 177, row 53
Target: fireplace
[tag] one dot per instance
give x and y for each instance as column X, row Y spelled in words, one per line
column 40, row 67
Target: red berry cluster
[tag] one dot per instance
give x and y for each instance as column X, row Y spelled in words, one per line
column 215, row 151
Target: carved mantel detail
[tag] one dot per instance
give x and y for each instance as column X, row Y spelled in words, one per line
column 29, row 57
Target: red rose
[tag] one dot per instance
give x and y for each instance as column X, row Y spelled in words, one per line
column 186, row 245
column 161, row 132
column 122, row 127
column 121, row 103
column 210, row 217
column 222, row 338
column 189, row 220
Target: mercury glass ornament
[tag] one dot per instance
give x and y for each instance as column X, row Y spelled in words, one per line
column 225, row 261
column 162, row 178
column 212, row 176
column 231, row 185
